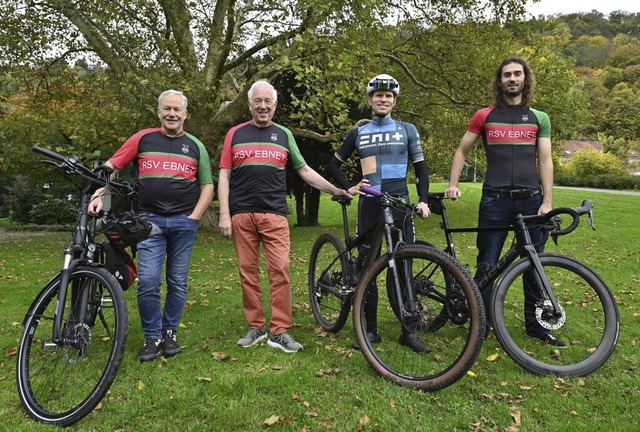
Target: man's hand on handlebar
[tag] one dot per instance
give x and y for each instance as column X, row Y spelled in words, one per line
column 424, row 210
column 95, row 204
column 452, row 192
column 356, row 189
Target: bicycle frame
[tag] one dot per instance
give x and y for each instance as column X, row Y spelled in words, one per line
column 83, row 248
column 374, row 233
column 522, row 245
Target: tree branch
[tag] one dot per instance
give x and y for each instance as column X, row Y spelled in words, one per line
column 415, row 80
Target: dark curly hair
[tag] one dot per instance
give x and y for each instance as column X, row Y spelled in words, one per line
column 529, row 82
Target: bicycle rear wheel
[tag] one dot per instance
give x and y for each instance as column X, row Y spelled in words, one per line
column 329, row 290
column 60, row 383
column 589, row 323
column 455, row 344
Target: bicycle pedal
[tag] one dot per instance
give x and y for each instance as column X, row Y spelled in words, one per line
column 48, row 346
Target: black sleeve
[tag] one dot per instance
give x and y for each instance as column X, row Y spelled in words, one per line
column 340, row 156
column 334, row 171
column 422, row 180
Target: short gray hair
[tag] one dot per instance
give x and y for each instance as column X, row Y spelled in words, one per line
column 261, row 82
column 185, row 101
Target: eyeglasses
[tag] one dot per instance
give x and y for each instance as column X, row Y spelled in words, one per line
column 258, row 102
column 384, row 84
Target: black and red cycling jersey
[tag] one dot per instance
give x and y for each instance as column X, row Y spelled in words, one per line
column 169, row 170
column 257, row 158
column 510, row 136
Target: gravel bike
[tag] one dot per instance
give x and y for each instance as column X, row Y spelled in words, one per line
column 411, row 273
column 76, row 328
column 571, row 300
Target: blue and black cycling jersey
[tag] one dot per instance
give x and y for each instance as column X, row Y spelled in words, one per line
column 385, row 148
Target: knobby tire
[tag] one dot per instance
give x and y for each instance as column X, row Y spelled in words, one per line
column 455, row 341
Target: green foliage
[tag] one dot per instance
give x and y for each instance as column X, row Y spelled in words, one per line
column 19, row 197
column 591, row 168
column 590, row 162
column 53, row 211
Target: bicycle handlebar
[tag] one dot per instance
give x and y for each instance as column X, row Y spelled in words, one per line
column 575, row 213
column 389, row 200
column 436, row 198
column 73, row 166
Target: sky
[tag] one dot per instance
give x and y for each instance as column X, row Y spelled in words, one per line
column 549, row 7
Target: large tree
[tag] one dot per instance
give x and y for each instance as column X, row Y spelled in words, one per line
column 90, row 70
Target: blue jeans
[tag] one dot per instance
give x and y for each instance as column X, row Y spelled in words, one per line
column 499, row 212
column 178, row 234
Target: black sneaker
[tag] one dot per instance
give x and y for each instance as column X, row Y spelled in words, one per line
column 170, row 345
column 548, row 338
column 150, row 350
column 373, row 338
column 412, row 341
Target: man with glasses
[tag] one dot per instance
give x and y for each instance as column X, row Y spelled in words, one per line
column 253, row 209
column 385, row 147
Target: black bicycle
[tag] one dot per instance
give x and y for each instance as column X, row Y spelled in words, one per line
column 411, row 274
column 75, row 330
column 571, row 300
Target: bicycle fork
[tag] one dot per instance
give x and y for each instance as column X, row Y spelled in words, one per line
column 539, row 275
column 542, row 281
column 78, row 305
column 408, row 296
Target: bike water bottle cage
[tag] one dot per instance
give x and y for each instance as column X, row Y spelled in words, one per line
column 383, row 82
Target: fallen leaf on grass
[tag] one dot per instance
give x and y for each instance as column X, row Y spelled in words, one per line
column 272, row 420
column 220, row 356
column 517, row 416
column 204, row 379
column 472, row 374
column 12, row 352
column 493, row 357
column 363, row 422
column 140, row 385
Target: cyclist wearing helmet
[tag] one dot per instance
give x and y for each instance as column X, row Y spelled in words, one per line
column 385, row 148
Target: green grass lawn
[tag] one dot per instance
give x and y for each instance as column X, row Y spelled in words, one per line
column 215, row 385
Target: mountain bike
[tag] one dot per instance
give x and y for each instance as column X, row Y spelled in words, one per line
column 75, row 330
column 411, row 273
column 571, row 300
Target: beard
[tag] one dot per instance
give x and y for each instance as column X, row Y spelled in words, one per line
column 511, row 91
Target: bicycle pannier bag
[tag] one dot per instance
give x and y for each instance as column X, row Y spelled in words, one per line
column 120, row 264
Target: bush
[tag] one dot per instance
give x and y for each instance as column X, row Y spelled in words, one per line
column 590, row 162
column 603, row 181
column 53, row 211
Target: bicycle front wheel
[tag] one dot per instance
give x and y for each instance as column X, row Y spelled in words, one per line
column 60, row 382
column 455, row 343
column 588, row 321
column 330, row 292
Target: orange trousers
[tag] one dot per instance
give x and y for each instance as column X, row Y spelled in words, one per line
column 249, row 230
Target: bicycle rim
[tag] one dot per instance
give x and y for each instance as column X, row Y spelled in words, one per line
column 329, row 291
column 589, row 323
column 455, row 343
column 61, row 383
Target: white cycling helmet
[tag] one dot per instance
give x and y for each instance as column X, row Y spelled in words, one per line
column 383, row 82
